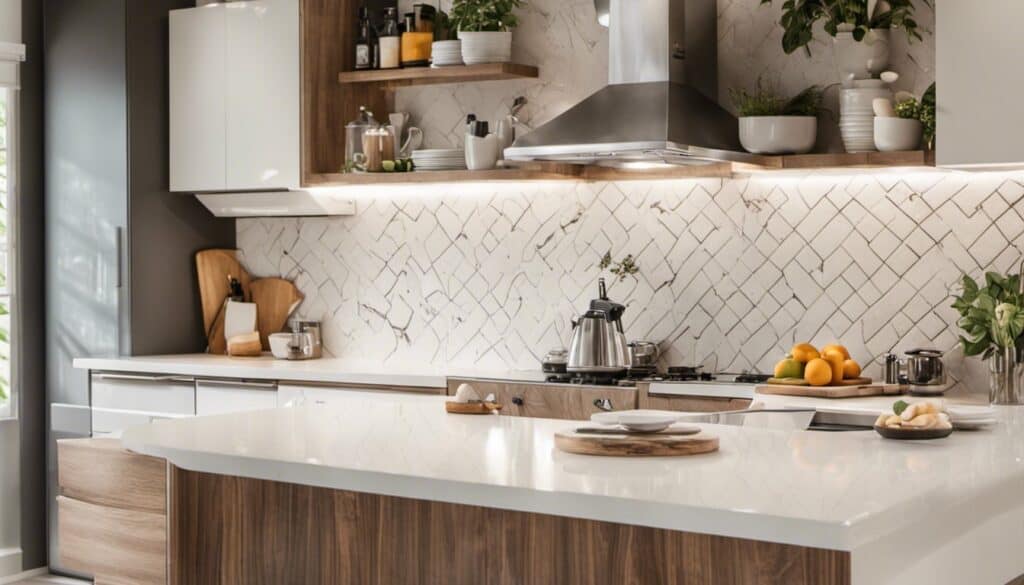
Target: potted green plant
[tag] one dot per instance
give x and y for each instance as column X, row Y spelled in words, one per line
column 485, row 28
column 860, row 29
column 770, row 124
column 992, row 320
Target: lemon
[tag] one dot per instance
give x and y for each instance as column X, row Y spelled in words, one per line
column 804, row 352
column 836, row 347
column 789, row 368
column 851, row 369
column 835, row 361
column 818, row 372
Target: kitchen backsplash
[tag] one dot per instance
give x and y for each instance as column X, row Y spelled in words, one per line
column 731, row 273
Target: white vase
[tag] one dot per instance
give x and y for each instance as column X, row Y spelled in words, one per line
column 778, row 134
column 486, row 46
column 862, row 59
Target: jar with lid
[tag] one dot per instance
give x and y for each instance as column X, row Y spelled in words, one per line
column 354, row 132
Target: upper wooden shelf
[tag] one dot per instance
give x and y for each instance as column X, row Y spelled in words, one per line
column 430, row 76
column 538, row 170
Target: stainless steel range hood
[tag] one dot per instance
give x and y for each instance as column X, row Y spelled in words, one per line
column 661, row 103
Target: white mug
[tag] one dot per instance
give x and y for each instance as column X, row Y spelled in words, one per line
column 482, row 153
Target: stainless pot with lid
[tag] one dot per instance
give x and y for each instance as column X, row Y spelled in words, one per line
column 921, row 369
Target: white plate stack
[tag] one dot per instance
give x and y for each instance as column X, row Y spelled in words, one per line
column 439, row 159
column 857, row 116
column 971, row 417
column 486, row 47
column 446, row 53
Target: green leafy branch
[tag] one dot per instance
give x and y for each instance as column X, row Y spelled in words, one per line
column 622, row 268
column 992, row 317
column 484, row 15
column 799, row 17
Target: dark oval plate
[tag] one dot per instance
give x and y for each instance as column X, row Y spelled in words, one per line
column 913, row 434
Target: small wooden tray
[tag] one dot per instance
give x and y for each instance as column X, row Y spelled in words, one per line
column 650, row 445
column 471, row 407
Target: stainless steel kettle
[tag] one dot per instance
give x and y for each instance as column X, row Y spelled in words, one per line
column 596, row 345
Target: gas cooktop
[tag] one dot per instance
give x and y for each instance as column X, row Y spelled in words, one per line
column 681, row 374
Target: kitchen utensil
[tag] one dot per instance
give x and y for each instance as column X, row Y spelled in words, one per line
column 277, row 299
column 506, row 133
column 354, row 132
column 312, row 345
column 554, row 362
column 850, row 391
column 636, row 445
column 476, row 407
column 895, row 134
column 922, row 369
column 642, row 353
column 910, row 434
column 245, row 345
column 239, row 318
column 594, row 345
column 677, row 431
column 518, row 104
column 614, row 311
column 280, row 344
column 215, row 269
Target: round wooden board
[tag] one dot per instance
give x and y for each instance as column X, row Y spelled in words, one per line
column 652, row 445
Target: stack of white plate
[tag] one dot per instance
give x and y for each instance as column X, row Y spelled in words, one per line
column 971, row 417
column 486, row 47
column 857, row 117
column 446, row 53
column 439, row 159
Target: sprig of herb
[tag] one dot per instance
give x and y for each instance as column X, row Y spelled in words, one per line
column 622, row 268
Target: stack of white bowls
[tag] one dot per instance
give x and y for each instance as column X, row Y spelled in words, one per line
column 857, row 116
column 446, row 53
column 486, row 47
column 439, row 159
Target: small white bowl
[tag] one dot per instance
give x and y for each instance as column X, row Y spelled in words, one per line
column 893, row 134
column 778, row 134
column 279, row 344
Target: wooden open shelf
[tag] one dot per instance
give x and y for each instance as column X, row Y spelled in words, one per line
column 428, row 76
column 548, row 171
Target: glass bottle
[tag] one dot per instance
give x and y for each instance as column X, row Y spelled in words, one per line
column 390, row 40
column 365, row 40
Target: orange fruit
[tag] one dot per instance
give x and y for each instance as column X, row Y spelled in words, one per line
column 804, row 352
column 836, row 347
column 818, row 372
column 835, row 361
column 851, row 369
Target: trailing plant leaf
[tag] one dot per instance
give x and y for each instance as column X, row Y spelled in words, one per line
column 800, row 16
column 484, row 15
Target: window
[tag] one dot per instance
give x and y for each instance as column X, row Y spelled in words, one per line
column 7, row 190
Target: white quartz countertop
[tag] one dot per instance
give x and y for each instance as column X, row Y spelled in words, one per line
column 850, row 491
column 325, row 370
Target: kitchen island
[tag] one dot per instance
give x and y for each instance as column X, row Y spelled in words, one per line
column 391, row 489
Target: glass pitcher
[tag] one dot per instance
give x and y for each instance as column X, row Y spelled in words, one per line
column 354, row 132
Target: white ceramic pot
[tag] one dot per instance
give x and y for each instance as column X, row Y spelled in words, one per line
column 778, row 134
column 892, row 134
column 862, row 59
column 279, row 344
column 486, row 47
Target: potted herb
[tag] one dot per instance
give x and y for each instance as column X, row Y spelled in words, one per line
column 485, row 28
column 860, row 29
column 770, row 124
column 992, row 320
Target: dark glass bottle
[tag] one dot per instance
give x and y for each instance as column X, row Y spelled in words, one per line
column 365, row 41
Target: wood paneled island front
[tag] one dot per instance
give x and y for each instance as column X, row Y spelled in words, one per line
column 392, row 490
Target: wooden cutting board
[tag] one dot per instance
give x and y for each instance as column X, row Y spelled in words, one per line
column 853, row 389
column 653, row 445
column 276, row 299
column 214, row 269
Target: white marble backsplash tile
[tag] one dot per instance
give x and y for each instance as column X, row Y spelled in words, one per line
column 732, row 272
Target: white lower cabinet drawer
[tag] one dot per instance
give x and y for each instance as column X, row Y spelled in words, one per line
column 227, row 396
column 144, row 392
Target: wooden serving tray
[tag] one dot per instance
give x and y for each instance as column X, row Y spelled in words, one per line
column 632, row 445
column 471, row 407
column 849, row 389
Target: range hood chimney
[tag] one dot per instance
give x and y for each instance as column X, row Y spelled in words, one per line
column 661, row 101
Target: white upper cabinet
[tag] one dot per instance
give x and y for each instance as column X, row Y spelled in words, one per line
column 234, row 77
column 978, row 53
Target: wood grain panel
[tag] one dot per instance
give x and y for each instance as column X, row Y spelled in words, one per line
column 99, row 471
column 230, row 530
column 116, row 545
column 393, row 78
column 646, row 400
column 542, row 400
column 328, row 33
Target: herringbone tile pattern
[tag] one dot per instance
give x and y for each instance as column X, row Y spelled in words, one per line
column 732, row 272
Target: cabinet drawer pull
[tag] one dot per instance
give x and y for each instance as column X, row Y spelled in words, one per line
column 604, row 404
column 142, row 377
column 517, row 400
